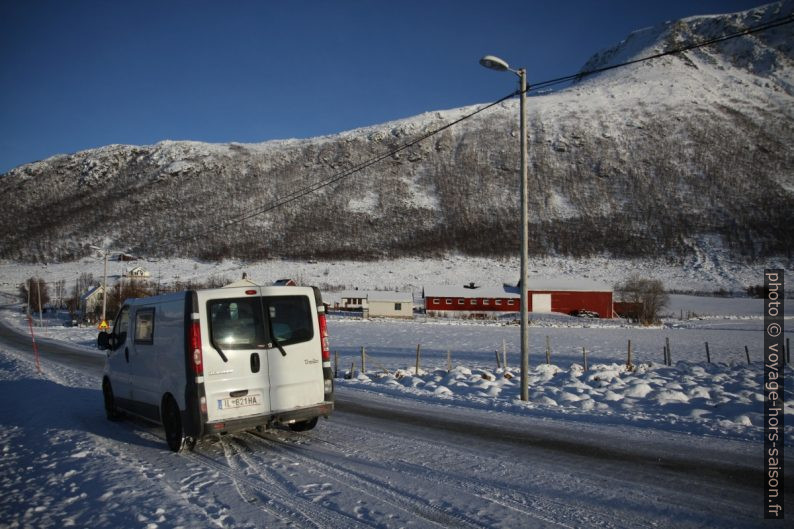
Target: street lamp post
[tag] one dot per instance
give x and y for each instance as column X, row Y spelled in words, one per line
column 104, row 283
column 495, row 63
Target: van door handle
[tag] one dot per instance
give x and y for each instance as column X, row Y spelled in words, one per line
column 254, row 362
column 127, row 355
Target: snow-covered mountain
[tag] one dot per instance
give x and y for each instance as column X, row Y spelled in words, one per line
column 661, row 158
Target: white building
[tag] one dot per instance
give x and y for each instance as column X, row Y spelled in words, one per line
column 138, row 272
column 377, row 303
column 90, row 300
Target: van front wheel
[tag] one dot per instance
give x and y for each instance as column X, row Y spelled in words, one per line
column 172, row 422
column 303, row 426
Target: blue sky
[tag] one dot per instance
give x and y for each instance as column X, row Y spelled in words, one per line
column 80, row 74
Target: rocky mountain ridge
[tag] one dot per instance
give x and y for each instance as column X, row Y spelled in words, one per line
column 655, row 159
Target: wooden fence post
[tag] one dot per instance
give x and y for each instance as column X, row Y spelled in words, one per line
column 584, row 354
column 708, row 355
column 496, row 353
column 418, row 348
column 548, row 351
column 504, row 354
column 336, row 364
column 363, row 360
column 669, row 353
column 629, row 366
column 747, row 352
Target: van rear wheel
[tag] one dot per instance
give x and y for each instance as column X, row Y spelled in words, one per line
column 110, row 403
column 303, row 426
column 172, row 422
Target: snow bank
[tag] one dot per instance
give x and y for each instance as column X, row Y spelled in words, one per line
column 720, row 400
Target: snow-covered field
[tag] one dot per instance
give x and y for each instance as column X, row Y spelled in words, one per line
column 65, row 465
column 707, row 273
column 721, row 398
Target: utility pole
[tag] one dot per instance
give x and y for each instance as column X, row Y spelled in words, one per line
column 495, row 63
column 77, row 296
column 103, row 326
column 522, row 74
column 105, row 287
column 38, row 288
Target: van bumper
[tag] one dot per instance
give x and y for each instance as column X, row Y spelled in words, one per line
column 303, row 414
column 323, row 409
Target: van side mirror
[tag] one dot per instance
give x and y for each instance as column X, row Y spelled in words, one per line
column 102, row 341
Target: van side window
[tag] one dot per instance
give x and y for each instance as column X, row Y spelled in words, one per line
column 122, row 325
column 144, row 326
column 290, row 319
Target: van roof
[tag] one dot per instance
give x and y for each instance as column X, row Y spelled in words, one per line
column 221, row 292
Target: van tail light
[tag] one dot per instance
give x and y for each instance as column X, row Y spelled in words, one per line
column 326, row 351
column 195, row 348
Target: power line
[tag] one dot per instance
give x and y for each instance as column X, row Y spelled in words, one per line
column 299, row 193
column 312, row 188
column 749, row 31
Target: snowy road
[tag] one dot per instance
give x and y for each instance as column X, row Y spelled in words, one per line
column 379, row 461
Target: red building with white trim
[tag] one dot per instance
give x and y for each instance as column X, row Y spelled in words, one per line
column 485, row 302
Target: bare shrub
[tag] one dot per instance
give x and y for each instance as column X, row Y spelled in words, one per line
column 647, row 294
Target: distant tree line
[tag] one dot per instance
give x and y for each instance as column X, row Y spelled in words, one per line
column 37, row 294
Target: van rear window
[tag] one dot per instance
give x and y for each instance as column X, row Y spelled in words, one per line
column 240, row 323
column 237, row 323
column 291, row 319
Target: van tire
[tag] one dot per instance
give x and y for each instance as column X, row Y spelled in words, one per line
column 111, row 412
column 303, row 426
column 172, row 422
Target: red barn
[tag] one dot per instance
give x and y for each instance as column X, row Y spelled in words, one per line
column 470, row 301
column 474, row 301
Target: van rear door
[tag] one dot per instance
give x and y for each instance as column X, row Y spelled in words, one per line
column 234, row 349
column 295, row 361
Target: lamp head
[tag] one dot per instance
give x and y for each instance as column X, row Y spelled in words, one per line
column 494, row 63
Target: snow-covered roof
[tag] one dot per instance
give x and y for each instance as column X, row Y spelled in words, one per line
column 452, row 291
column 377, row 295
column 579, row 284
column 241, row 283
column 397, row 297
column 93, row 291
column 511, row 291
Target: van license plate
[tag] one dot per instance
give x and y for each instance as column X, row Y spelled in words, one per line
column 239, row 402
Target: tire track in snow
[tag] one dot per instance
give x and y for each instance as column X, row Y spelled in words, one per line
column 185, row 489
column 549, row 508
column 275, row 495
column 546, row 510
column 386, row 492
column 279, row 508
column 229, row 453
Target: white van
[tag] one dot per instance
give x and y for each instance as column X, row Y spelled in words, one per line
column 207, row 362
